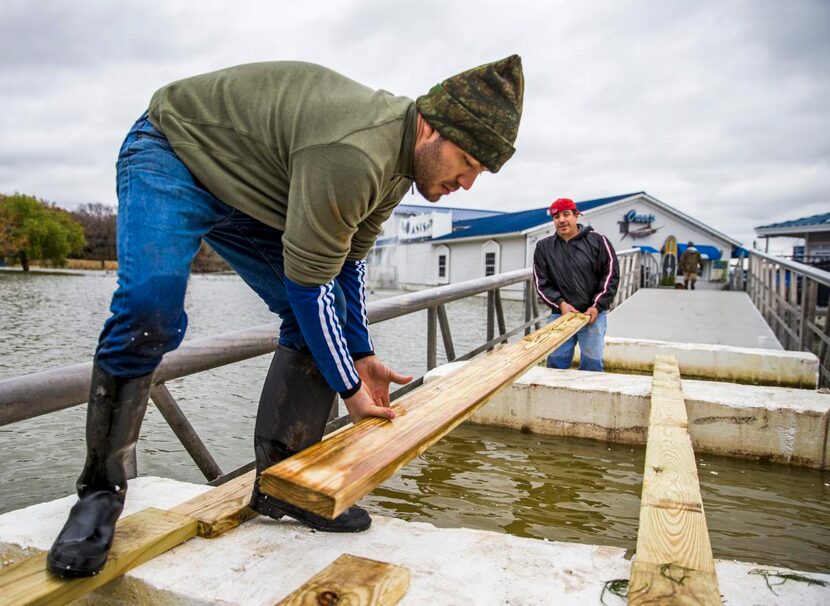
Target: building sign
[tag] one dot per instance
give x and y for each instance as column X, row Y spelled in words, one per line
column 419, row 226
column 631, row 221
column 425, row 226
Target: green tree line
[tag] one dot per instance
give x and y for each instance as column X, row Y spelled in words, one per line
column 37, row 230
column 32, row 229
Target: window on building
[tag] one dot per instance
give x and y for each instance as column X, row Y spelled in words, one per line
column 489, row 263
column 442, row 266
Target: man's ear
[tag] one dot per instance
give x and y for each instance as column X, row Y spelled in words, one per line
column 430, row 134
column 426, row 134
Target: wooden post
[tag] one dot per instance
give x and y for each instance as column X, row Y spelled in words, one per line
column 780, row 305
column 674, row 563
column 795, row 343
column 352, row 581
column 809, row 297
column 330, row 476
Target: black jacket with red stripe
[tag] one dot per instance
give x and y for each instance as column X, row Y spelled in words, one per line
column 582, row 271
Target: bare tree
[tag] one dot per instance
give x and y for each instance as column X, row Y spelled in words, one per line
column 98, row 221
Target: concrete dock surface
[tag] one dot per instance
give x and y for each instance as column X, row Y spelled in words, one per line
column 692, row 316
column 263, row 561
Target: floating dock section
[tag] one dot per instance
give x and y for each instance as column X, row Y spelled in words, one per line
column 262, row 562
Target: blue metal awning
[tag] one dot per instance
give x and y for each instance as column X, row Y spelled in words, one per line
column 740, row 252
column 648, row 249
column 707, row 251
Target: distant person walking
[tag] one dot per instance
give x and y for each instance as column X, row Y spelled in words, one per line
column 690, row 262
column 576, row 270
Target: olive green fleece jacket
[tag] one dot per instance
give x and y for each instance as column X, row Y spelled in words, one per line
column 299, row 147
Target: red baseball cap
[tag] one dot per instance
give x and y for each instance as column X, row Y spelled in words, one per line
column 561, row 204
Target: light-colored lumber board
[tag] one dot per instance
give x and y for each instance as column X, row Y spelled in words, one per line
column 354, row 581
column 222, row 508
column 330, row 476
column 670, row 585
column 674, row 563
column 138, row 538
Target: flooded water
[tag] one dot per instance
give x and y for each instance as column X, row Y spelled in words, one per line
column 478, row 477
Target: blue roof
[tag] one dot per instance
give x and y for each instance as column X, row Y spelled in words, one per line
column 647, row 249
column 458, row 214
column 803, row 222
column 508, row 223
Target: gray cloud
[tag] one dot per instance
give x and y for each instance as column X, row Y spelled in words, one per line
column 719, row 109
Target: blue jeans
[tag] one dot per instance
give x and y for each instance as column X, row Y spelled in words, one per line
column 164, row 213
column 591, row 339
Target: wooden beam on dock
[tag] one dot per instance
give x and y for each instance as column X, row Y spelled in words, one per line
column 674, row 563
column 330, row 476
column 354, row 581
column 222, row 508
column 138, row 538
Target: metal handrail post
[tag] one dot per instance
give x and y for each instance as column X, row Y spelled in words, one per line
column 169, row 409
column 491, row 315
column 432, row 340
column 446, row 335
column 499, row 312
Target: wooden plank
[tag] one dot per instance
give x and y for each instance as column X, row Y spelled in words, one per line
column 138, row 538
column 209, row 515
column 674, row 563
column 330, row 476
column 354, row 581
column 222, row 508
column 671, row 585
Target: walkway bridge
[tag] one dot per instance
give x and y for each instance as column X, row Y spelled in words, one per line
column 746, row 362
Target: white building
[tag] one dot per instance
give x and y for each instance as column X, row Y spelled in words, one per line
column 503, row 242
column 412, row 223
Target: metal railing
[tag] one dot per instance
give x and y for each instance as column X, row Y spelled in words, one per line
column 40, row 393
column 786, row 294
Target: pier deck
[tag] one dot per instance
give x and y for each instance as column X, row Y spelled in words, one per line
column 692, row 316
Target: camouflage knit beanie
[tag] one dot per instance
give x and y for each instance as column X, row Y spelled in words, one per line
column 479, row 110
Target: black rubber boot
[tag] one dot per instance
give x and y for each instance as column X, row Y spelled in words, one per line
column 292, row 415
column 114, row 414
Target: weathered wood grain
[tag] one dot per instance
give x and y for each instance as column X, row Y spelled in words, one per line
column 330, row 476
column 222, row 508
column 352, row 581
column 674, row 563
column 669, row 585
column 138, row 538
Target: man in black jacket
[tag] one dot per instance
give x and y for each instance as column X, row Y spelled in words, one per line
column 576, row 270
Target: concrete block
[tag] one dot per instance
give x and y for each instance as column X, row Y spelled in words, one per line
column 781, row 424
column 262, row 561
column 716, row 362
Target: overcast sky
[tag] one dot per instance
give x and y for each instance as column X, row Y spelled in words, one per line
column 720, row 109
